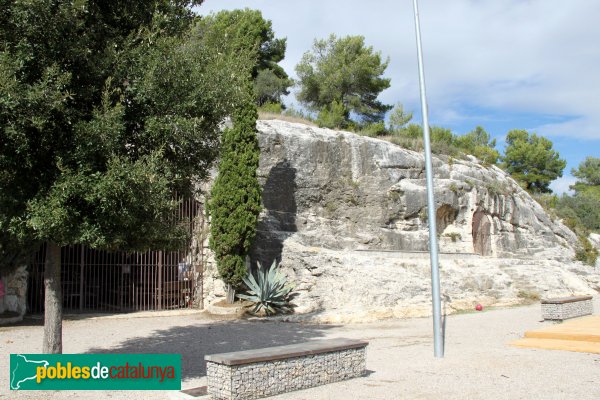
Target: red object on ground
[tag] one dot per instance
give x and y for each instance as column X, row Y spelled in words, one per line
column 479, row 307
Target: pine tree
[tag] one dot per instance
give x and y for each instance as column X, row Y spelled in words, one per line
column 236, row 198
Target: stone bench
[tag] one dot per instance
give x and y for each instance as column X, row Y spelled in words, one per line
column 264, row 372
column 566, row 307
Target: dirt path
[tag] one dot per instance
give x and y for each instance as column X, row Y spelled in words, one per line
column 478, row 363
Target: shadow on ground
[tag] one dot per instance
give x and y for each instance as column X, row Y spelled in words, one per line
column 193, row 342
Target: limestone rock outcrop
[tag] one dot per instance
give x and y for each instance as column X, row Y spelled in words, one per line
column 346, row 216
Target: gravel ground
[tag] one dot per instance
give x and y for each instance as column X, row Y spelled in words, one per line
column 478, row 363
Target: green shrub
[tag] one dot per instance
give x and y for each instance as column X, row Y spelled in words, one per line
column 274, row 108
column 528, row 296
column 586, row 253
column 577, row 215
column 268, row 291
column 497, row 188
column 454, row 236
column 374, row 129
column 414, row 144
column 333, row 116
column 294, row 113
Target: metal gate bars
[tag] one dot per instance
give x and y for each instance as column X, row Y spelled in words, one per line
column 101, row 281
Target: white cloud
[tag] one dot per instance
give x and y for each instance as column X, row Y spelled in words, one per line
column 561, row 185
column 587, row 126
column 525, row 56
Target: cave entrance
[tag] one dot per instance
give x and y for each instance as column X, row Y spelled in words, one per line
column 445, row 215
column 482, row 240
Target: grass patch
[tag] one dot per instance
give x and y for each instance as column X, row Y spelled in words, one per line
column 454, row 236
column 282, row 117
column 529, row 296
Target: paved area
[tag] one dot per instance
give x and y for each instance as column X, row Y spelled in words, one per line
column 478, row 362
column 579, row 334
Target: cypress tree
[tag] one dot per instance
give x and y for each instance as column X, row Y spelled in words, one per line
column 236, row 198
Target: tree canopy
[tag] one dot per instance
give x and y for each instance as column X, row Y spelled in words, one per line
column 105, row 117
column 479, row 144
column 588, row 172
column 399, row 118
column 107, row 109
column 585, row 202
column 530, row 158
column 247, row 29
column 342, row 76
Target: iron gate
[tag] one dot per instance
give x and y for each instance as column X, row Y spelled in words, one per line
column 94, row 280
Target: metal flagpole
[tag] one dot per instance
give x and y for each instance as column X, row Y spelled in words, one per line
column 433, row 245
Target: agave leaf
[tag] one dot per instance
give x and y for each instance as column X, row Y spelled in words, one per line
column 267, row 285
column 261, row 280
column 273, row 272
column 286, row 290
column 268, row 289
column 269, row 309
column 278, row 302
column 251, row 283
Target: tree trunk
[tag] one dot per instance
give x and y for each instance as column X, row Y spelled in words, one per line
column 53, row 311
column 230, row 294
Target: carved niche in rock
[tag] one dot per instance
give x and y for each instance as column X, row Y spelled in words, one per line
column 482, row 239
column 445, row 215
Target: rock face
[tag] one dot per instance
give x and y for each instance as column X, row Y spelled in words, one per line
column 595, row 241
column 13, row 302
column 346, row 216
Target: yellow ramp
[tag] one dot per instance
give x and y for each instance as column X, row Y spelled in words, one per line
column 580, row 334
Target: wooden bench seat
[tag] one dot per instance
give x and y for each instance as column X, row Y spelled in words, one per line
column 253, row 374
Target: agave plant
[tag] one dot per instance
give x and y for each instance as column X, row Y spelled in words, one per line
column 269, row 290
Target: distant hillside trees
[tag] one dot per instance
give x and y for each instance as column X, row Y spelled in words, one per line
column 581, row 210
column 530, row 159
column 477, row 143
column 340, row 79
column 588, row 173
column 585, row 201
column 247, row 29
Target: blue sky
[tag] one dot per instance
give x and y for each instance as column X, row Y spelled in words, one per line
column 501, row 64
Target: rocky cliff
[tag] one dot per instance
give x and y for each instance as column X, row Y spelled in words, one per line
column 346, row 217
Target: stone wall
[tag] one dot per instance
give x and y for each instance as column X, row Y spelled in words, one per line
column 262, row 379
column 15, row 297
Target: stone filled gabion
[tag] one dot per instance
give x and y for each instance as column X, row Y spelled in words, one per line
column 261, row 379
column 559, row 312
